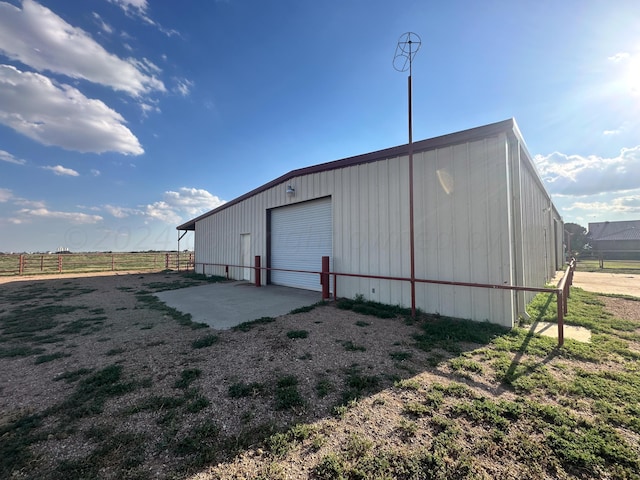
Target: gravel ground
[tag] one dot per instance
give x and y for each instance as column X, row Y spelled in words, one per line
column 154, row 352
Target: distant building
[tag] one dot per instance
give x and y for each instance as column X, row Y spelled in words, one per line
column 481, row 215
column 616, row 240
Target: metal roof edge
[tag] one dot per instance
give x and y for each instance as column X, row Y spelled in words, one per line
column 508, row 126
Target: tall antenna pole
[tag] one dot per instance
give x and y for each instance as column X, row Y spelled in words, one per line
column 408, row 45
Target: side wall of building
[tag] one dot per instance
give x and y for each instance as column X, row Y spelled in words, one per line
column 462, row 228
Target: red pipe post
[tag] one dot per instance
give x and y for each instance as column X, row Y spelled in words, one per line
column 324, row 278
column 257, row 268
column 560, row 307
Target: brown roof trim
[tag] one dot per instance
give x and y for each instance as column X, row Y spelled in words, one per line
column 400, row 150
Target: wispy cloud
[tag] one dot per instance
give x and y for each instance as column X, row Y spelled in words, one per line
column 5, row 195
column 72, row 217
column 183, row 86
column 587, row 175
column 174, row 207
column 61, row 115
column 623, row 204
column 36, row 36
column 138, row 8
column 618, row 57
column 7, row 157
column 62, row 171
column 104, row 26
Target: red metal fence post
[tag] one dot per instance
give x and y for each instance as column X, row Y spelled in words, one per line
column 166, row 261
column 59, row 263
column 335, row 287
column 324, row 278
column 560, row 307
column 20, row 264
column 257, row 268
column 41, row 263
column 113, row 262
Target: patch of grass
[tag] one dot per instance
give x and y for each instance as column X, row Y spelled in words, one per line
column 83, row 326
column 202, row 444
column 287, row 395
column 365, row 307
column 93, row 391
column 358, row 384
column 115, row 351
column 461, row 364
column 155, row 403
column 240, row 390
column 297, row 334
column 200, row 402
column 407, row 428
column 306, row 309
column 17, row 436
column 50, row 357
column 400, row 356
column 153, row 303
column 187, row 377
column 408, row 384
column 483, row 411
column 19, row 351
column 24, row 320
column 349, row 346
column 73, row 375
column 206, row 341
column 246, row 326
column 324, row 387
column 204, row 278
column 448, row 333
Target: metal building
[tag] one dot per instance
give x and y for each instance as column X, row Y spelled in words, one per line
column 481, row 215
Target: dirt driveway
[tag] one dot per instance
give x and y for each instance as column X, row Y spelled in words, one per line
column 617, row 283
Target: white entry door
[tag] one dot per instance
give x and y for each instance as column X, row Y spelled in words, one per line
column 245, row 255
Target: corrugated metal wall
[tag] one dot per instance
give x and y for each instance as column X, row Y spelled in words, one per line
column 464, row 227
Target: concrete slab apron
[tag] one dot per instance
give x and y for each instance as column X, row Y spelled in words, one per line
column 225, row 305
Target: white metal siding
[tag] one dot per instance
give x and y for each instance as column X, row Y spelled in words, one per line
column 301, row 235
column 478, row 229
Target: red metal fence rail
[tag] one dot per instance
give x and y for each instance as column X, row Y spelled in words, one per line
column 40, row 264
column 561, row 291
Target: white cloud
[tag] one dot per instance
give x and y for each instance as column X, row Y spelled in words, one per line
column 38, row 37
column 611, row 132
column 7, row 157
column 187, row 202
column 61, row 115
column 138, row 8
column 624, row 204
column 73, row 217
column 618, row 57
column 5, row 195
column 60, row 170
column 183, row 86
column 579, row 175
column 174, row 207
column 95, row 173
column 104, row 26
column 119, row 212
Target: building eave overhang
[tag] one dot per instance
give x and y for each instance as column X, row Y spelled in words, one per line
column 508, row 127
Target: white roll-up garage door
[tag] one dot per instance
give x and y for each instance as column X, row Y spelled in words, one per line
column 301, row 235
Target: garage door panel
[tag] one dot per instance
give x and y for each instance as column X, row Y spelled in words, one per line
column 301, row 235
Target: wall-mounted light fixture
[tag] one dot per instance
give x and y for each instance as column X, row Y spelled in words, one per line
column 290, row 191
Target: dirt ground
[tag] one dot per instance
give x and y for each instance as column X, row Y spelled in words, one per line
column 175, row 406
column 616, row 283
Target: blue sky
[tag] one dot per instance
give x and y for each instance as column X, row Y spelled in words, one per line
column 120, row 119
